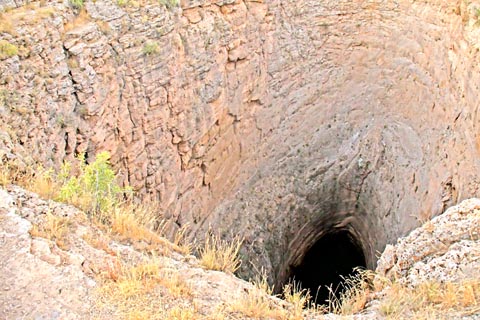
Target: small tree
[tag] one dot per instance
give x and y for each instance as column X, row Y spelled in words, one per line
column 94, row 189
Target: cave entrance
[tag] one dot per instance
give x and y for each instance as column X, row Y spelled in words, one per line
column 327, row 263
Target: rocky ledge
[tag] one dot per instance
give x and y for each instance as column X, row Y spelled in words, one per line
column 71, row 274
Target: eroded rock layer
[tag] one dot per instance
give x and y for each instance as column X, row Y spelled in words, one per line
column 278, row 121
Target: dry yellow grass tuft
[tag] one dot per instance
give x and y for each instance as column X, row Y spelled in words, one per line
column 80, row 20
column 43, row 183
column 357, row 289
column 299, row 299
column 258, row 303
column 6, row 25
column 53, row 228
column 5, row 174
column 29, row 14
column 220, row 255
column 138, row 291
column 182, row 313
column 431, row 300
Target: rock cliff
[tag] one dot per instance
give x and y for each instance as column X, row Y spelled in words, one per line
column 280, row 121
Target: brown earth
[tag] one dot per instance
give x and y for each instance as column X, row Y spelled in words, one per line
column 278, row 121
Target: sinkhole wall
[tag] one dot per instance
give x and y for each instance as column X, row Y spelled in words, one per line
column 278, row 121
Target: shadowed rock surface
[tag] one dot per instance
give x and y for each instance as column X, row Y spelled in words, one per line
column 279, row 121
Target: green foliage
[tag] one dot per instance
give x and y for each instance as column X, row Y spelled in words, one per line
column 150, row 48
column 170, row 3
column 122, row 3
column 77, row 4
column 94, row 189
column 7, row 50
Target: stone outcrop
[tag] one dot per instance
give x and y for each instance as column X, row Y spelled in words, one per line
column 45, row 278
column 41, row 278
column 279, row 121
column 445, row 249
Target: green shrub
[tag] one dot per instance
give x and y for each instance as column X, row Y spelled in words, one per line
column 7, row 50
column 150, row 48
column 170, row 3
column 77, row 4
column 94, row 189
column 122, row 3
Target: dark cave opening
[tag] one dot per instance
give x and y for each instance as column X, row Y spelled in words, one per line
column 327, row 263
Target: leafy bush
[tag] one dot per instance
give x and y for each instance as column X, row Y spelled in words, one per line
column 170, row 3
column 122, row 3
column 77, row 4
column 150, row 48
column 94, row 189
column 7, row 50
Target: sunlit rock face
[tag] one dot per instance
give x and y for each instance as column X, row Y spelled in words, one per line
column 277, row 121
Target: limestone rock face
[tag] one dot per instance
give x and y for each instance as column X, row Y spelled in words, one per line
column 278, row 121
column 38, row 281
column 445, row 249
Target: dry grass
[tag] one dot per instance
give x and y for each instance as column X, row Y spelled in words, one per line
column 127, row 220
column 29, row 14
column 6, row 25
column 355, row 295
column 43, row 183
column 99, row 242
column 140, row 223
column 132, row 221
column 220, row 255
column 138, row 291
column 5, row 174
column 80, row 20
column 53, row 228
column 181, row 241
column 40, row 180
column 431, row 300
column 182, row 313
column 257, row 303
column 298, row 298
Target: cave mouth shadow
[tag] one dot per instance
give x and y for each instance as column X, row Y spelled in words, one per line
column 333, row 258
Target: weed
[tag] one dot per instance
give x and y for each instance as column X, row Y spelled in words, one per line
column 181, row 241
column 355, row 293
column 175, row 285
column 53, row 228
column 150, row 48
column 181, row 313
column 6, row 25
column 95, row 189
column 7, row 50
column 299, row 299
column 77, row 4
column 221, row 255
column 104, row 27
column 43, row 183
column 125, row 220
column 122, row 3
column 98, row 242
column 132, row 288
column 80, row 19
column 257, row 302
column 170, row 3
column 430, row 300
column 5, row 173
